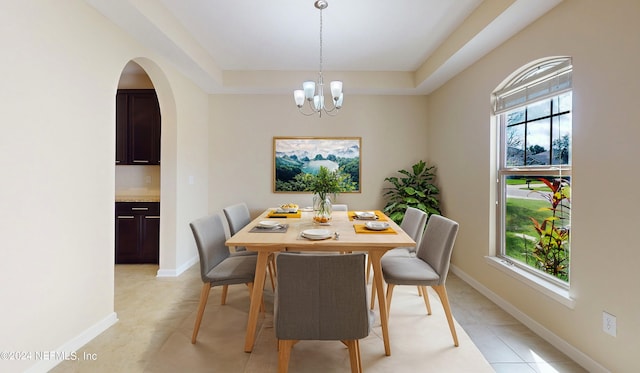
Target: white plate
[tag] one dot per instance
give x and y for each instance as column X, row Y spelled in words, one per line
column 286, row 211
column 316, row 234
column 314, row 238
column 268, row 224
column 376, row 225
column 365, row 215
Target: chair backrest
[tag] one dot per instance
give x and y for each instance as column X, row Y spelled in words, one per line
column 321, row 297
column 339, row 207
column 413, row 224
column 238, row 216
column 437, row 244
column 210, row 240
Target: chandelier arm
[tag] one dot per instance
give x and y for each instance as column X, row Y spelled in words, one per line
column 313, row 111
column 332, row 113
column 333, row 108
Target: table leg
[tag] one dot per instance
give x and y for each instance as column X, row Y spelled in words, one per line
column 382, row 300
column 256, row 300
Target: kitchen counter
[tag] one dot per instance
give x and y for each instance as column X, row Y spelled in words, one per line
column 137, row 195
column 146, row 198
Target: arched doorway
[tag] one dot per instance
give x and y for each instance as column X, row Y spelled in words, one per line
column 154, row 181
column 137, row 174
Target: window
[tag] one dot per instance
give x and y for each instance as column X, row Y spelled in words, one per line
column 533, row 111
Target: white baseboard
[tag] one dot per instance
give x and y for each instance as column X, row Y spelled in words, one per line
column 576, row 355
column 178, row 271
column 70, row 347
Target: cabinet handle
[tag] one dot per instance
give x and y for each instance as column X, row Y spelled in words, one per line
column 152, row 217
column 140, row 161
column 125, row 217
column 140, row 208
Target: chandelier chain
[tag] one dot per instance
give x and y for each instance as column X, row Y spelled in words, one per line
column 320, row 41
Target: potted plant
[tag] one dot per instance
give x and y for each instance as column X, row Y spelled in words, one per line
column 415, row 189
column 323, row 184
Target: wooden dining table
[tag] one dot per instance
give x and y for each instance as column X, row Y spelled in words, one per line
column 350, row 238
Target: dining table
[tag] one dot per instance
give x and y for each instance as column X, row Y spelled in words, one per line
column 292, row 232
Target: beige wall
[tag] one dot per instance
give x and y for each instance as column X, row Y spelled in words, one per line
column 60, row 74
column 392, row 128
column 603, row 38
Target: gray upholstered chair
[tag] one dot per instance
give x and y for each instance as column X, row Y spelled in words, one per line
column 339, row 207
column 413, row 224
column 217, row 266
column 321, row 297
column 238, row 216
column 429, row 267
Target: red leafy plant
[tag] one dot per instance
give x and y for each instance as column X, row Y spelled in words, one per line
column 552, row 248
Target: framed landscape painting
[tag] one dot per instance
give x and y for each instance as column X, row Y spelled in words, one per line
column 295, row 156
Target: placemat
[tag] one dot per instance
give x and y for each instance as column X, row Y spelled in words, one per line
column 274, row 214
column 379, row 216
column 361, row 228
column 282, row 228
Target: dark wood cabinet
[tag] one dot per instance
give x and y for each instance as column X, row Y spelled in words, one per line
column 137, row 127
column 137, row 232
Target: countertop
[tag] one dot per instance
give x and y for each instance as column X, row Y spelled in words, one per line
column 137, row 195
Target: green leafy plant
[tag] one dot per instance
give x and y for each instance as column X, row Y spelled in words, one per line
column 551, row 251
column 327, row 182
column 414, row 189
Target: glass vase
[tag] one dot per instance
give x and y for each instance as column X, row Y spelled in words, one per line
column 322, row 209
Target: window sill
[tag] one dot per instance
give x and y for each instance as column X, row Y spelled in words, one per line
column 553, row 291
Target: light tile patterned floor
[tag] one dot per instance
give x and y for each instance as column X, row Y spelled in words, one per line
column 506, row 344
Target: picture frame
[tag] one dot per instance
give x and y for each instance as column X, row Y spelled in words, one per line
column 293, row 156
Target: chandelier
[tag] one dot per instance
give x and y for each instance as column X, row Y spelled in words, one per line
column 313, row 92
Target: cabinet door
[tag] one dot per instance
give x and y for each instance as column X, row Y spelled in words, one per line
column 144, row 128
column 137, row 232
column 150, row 245
column 122, row 115
column 127, row 238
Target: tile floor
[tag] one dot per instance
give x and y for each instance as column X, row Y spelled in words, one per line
column 128, row 345
column 507, row 344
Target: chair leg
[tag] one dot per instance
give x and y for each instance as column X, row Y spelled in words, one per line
column 373, row 295
column 223, row 297
column 444, row 299
column 272, row 272
column 204, row 295
column 284, row 354
column 357, row 343
column 368, row 270
column 425, row 295
column 272, row 260
column 389, row 295
column 354, row 355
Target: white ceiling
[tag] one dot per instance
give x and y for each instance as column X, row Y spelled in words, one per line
column 375, row 47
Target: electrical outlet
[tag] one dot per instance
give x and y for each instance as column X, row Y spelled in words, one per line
column 609, row 323
column 147, row 179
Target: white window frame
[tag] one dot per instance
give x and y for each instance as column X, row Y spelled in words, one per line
column 539, row 81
